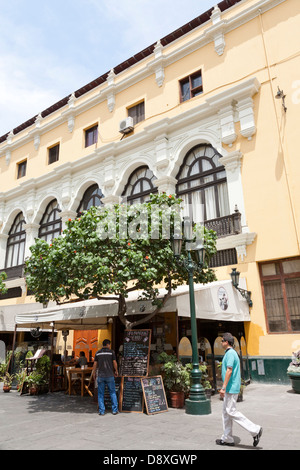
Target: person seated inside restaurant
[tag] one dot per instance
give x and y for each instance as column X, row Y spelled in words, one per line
column 81, row 361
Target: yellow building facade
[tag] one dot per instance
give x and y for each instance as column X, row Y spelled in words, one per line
column 209, row 95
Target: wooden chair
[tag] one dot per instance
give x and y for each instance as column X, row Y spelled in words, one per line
column 73, row 380
column 32, row 360
column 88, row 384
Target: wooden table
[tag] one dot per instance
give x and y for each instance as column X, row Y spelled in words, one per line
column 81, row 374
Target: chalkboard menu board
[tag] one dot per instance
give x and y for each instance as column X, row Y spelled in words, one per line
column 154, row 393
column 132, row 397
column 107, row 400
column 136, row 349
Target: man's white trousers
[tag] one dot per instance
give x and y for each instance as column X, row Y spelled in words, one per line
column 231, row 415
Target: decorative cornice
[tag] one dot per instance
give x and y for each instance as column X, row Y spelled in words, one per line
column 239, row 242
column 232, row 161
column 156, row 133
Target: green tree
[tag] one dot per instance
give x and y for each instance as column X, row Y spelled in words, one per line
column 109, row 252
column 3, row 288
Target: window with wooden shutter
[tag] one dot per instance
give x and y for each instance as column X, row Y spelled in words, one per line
column 137, row 112
column 281, row 294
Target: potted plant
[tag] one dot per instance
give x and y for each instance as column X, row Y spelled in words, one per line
column 4, row 365
column 35, row 381
column 205, row 381
column 177, row 379
column 20, row 377
column 7, row 381
column 293, row 371
column 43, row 366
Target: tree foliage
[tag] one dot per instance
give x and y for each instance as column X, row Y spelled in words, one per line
column 108, row 252
column 3, row 288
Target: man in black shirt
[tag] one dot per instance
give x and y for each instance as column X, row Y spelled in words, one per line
column 105, row 362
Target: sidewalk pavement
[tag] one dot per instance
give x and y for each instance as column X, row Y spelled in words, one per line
column 56, row 421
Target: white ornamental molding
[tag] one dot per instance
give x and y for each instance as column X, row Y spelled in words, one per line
column 232, row 161
column 166, row 184
column 228, row 134
column 36, row 133
column 162, row 153
column 157, row 65
column 8, row 150
column 111, row 90
column 70, row 114
column 216, row 31
column 239, row 242
column 246, row 117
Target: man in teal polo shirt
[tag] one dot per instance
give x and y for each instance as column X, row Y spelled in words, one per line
column 231, row 376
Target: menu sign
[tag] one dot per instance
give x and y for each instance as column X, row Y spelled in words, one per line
column 154, row 393
column 136, row 349
column 132, row 398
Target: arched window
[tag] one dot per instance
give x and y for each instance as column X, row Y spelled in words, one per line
column 91, row 197
column 140, row 186
column 50, row 225
column 16, row 243
column 201, row 181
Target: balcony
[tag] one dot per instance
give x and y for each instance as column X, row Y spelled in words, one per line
column 14, row 272
column 225, row 226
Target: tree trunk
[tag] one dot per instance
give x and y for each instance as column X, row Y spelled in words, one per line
column 129, row 325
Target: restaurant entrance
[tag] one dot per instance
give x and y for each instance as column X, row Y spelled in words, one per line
column 168, row 330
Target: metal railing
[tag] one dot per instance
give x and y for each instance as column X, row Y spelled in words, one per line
column 225, row 226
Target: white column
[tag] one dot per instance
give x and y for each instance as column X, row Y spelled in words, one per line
column 232, row 163
column 166, row 184
column 3, row 244
column 66, row 215
column 32, row 232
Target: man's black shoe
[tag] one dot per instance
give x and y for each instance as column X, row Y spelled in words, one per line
column 223, row 443
column 257, row 437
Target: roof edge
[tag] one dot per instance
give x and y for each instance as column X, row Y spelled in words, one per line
column 166, row 40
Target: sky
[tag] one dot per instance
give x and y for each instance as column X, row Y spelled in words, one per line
column 50, row 48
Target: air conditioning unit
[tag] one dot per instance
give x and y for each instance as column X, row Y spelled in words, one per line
column 126, row 125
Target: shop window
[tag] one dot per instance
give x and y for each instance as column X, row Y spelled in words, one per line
column 281, row 294
column 140, row 185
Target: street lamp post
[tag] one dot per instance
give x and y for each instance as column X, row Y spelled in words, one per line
column 197, row 403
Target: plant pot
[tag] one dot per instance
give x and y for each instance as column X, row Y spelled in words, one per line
column 6, row 388
column 295, row 379
column 177, row 399
column 33, row 390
